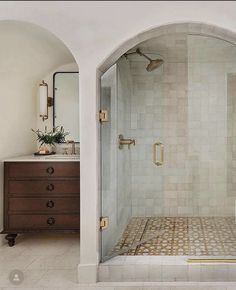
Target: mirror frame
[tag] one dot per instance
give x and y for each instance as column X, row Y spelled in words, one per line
column 54, row 99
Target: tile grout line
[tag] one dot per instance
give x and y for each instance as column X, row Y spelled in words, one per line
column 144, row 230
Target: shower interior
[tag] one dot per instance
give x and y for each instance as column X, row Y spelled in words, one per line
column 185, row 206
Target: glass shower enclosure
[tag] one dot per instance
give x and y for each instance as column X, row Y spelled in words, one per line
column 168, row 183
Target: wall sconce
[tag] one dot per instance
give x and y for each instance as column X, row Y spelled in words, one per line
column 44, row 100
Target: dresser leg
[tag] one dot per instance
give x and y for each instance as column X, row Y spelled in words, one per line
column 11, row 239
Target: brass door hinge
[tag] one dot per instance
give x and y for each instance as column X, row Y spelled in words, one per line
column 103, row 116
column 104, row 222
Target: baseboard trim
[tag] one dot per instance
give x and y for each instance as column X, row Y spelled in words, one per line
column 87, row 273
column 2, row 240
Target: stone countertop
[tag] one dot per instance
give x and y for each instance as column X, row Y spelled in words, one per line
column 47, row 158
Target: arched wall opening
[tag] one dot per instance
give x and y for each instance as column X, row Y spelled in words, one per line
column 219, row 97
column 28, row 54
column 181, row 27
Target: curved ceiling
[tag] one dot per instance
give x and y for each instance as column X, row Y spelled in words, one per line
column 30, row 49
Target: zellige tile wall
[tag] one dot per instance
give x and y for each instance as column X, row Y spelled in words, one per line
column 185, row 105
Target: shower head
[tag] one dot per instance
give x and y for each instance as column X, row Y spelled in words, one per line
column 153, row 63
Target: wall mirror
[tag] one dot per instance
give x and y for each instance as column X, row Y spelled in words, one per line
column 66, row 103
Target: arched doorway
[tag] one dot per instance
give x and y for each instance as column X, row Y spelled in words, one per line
column 189, row 98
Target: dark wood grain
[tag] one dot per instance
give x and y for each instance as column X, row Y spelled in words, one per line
column 39, row 221
column 44, row 187
column 41, row 197
column 43, row 169
column 52, row 204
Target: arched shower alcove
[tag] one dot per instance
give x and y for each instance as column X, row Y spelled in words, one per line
column 188, row 106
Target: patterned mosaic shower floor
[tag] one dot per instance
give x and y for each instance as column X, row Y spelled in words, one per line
column 188, row 236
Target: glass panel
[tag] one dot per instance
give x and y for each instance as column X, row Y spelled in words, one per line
column 109, row 162
column 211, row 136
column 125, row 101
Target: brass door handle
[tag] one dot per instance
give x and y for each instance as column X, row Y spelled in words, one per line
column 155, row 161
column 123, row 142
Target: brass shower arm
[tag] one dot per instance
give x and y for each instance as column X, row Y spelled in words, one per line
column 138, row 51
column 129, row 53
column 153, row 63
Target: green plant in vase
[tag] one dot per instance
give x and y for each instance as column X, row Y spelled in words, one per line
column 48, row 139
column 60, row 135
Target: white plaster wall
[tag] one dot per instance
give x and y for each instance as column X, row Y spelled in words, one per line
column 93, row 30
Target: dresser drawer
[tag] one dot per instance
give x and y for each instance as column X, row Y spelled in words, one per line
column 43, row 169
column 53, row 221
column 44, row 204
column 50, row 187
column 41, row 196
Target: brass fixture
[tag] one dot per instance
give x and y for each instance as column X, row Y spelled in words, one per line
column 210, row 261
column 73, row 146
column 104, row 222
column 103, row 116
column 155, row 161
column 153, row 63
column 44, row 100
column 123, row 142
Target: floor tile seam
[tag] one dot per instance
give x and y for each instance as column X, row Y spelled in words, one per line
column 143, row 233
column 136, row 232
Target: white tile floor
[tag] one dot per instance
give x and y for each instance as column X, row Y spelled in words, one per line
column 50, row 262
column 47, row 261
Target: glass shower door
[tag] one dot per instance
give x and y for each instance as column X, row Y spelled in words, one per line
column 114, row 165
column 115, row 157
column 125, row 195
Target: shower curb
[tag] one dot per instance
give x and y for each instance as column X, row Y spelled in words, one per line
column 146, row 270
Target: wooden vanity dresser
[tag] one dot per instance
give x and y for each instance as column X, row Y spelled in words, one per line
column 41, row 196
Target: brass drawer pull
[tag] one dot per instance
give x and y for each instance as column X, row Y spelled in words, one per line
column 50, row 204
column 155, row 161
column 50, row 187
column 50, row 170
column 51, row 221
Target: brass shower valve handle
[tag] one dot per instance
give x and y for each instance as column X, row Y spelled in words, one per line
column 123, row 142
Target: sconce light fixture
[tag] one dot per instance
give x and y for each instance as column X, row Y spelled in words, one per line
column 44, row 100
